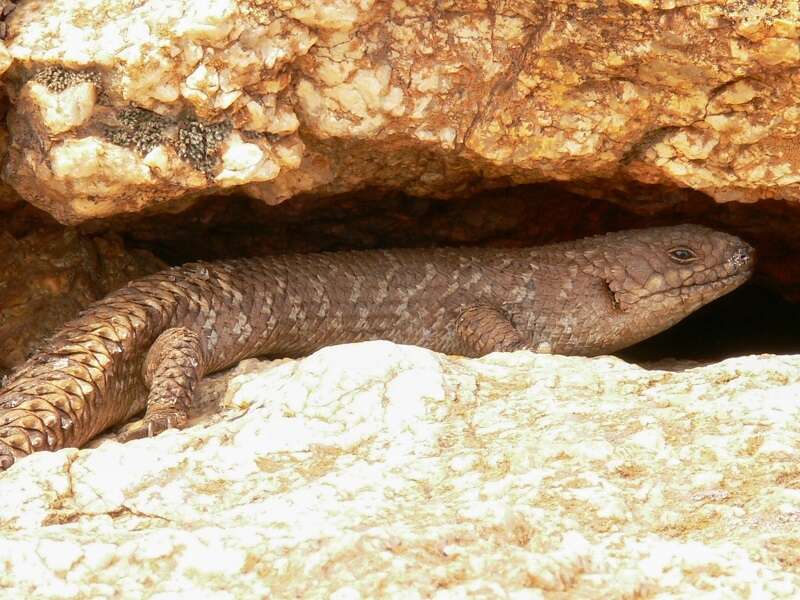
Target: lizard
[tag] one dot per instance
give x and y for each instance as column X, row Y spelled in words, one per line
column 145, row 346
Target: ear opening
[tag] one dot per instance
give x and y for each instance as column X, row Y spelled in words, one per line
column 616, row 301
column 616, row 296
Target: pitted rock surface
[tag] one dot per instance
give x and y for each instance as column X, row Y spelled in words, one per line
column 381, row 470
column 119, row 106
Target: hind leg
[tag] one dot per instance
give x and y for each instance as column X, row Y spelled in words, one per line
column 174, row 365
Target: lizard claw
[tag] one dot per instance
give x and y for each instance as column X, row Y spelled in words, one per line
column 6, row 457
column 6, row 460
column 151, row 425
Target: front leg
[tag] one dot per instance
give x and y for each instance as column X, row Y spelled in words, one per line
column 484, row 328
column 173, row 366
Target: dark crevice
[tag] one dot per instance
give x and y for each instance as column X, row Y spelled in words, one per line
column 750, row 320
column 761, row 317
column 758, row 318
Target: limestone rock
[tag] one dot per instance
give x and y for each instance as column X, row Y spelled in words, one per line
column 376, row 470
column 121, row 105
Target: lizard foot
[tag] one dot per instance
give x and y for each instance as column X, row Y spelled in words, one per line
column 152, row 424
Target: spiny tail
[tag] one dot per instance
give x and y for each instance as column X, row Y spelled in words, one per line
column 85, row 379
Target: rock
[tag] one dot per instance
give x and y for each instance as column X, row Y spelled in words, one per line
column 48, row 276
column 120, row 106
column 377, row 470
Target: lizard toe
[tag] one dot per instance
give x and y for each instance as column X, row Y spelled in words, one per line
column 151, row 425
column 6, row 457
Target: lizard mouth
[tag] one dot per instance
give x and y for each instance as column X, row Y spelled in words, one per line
column 687, row 292
column 730, row 281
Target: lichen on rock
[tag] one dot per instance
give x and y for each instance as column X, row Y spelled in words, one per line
column 57, row 78
column 169, row 85
column 198, row 142
column 139, row 129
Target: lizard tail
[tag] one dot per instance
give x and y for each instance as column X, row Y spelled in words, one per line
column 85, row 379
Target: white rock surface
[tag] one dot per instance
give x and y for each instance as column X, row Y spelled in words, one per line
column 377, row 470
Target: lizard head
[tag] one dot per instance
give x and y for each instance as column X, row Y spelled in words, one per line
column 660, row 275
column 655, row 277
column 673, row 268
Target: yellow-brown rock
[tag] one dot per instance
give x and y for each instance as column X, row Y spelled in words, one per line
column 47, row 277
column 118, row 106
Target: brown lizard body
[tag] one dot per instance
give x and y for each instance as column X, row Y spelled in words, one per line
column 147, row 344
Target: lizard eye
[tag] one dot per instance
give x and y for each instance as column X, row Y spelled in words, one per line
column 682, row 254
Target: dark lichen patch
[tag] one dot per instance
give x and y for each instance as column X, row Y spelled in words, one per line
column 139, row 129
column 194, row 141
column 57, row 79
column 198, row 142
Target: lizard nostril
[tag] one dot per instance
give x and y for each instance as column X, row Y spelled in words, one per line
column 742, row 256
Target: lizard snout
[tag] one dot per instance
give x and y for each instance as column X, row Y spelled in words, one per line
column 743, row 257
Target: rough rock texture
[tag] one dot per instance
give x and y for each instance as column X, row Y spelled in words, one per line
column 376, row 470
column 47, row 277
column 119, row 105
column 387, row 471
